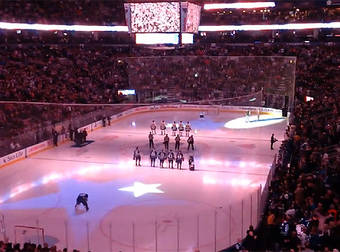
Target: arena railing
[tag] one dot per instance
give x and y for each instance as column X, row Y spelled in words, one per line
column 210, row 230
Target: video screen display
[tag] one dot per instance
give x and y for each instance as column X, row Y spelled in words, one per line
column 155, row 17
column 193, row 18
column 157, row 38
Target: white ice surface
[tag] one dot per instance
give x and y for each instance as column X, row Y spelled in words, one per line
column 192, row 211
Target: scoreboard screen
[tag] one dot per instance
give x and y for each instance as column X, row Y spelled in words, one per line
column 163, row 22
column 193, row 18
column 155, row 17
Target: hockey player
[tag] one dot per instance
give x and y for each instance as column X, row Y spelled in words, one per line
column 191, row 163
column 161, row 157
column 178, row 142
column 82, row 199
column 153, row 156
column 84, row 135
column 171, row 157
column 166, row 142
column 272, row 141
column 153, row 127
column 191, row 142
column 248, row 116
column 151, row 145
column 179, row 160
column 137, row 156
column 174, row 128
column 187, row 129
column 180, row 128
column 55, row 135
column 77, row 138
column 163, row 128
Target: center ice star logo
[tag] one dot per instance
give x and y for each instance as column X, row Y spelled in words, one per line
column 140, row 189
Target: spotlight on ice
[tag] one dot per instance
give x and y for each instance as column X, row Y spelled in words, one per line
column 133, row 124
column 253, row 122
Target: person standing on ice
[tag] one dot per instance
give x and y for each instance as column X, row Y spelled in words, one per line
column 174, row 128
column 171, row 157
column 248, row 116
column 82, row 199
column 180, row 128
column 191, row 163
column 178, row 142
column 161, row 157
column 153, row 156
column 153, row 127
column 187, row 129
column 191, row 142
column 151, row 144
column 272, row 141
column 179, row 160
column 166, row 142
column 137, row 156
column 162, row 127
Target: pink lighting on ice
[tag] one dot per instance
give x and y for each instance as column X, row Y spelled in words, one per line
column 236, row 182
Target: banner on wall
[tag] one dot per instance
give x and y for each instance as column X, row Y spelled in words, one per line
column 38, row 147
column 12, row 157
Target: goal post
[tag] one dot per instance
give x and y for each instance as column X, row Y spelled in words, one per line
column 23, row 234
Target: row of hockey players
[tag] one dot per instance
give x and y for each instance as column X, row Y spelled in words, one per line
column 162, row 156
column 166, row 141
column 174, row 128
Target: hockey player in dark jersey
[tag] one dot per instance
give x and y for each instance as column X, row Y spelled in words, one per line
column 137, row 156
column 177, row 142
column 82, row 199
column 166, row 142
column 179, row 159
column 171, row 157
column 153, row 156
column 151, row 144
column 161, row 157
column 191, row 142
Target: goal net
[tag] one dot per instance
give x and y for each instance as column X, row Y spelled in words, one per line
column 23, row 234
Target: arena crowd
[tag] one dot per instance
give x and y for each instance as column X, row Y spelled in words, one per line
column 30, row 247
column 303, row 207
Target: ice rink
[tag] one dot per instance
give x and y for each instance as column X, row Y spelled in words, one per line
column 144, row 208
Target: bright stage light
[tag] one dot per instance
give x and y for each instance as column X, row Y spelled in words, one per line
column 157, row 38
column 300, row 26
column 204, row 28
column 239, row 5
column 53, row 27
column 241, row 123
column 140, row 189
